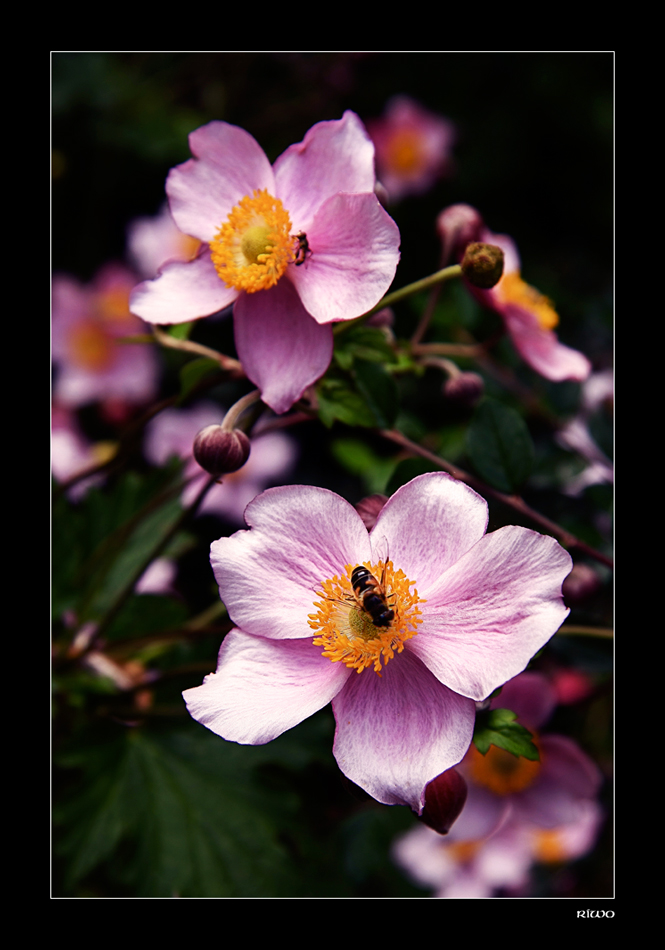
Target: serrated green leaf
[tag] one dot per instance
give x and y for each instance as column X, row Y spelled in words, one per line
column 337, row 400
column 500, row 447
column 365, row 343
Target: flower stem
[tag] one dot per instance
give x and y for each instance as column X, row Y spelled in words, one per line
column 237, row 409
column 227, row 363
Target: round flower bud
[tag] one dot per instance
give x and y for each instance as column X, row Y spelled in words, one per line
column 482, row 264
column 444, row 800
column 456, row 227
column 369, row 508
column 465, row 388
column 581, row 583
column 220, row 451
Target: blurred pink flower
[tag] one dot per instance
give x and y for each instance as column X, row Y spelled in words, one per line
column 413, row 147
column 502, row 787
column 172, row 432
column 469, row 610
column 528, row 315
column 72, row 453
column 154, row 241
column 312, row 218
column 576, row 436
column 92, row 366
column 479, row 867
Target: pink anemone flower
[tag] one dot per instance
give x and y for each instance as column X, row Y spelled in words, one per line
column 413, row 147
column 502, row 787
column 295, row 247
column 402, row 628
column 528, row 315
column 88, row 322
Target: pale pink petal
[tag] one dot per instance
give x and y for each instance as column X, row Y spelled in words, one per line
column 269, row 577
column 566, row 779
column 483, row 812
column 263, row 687
column 228, row 164
column 334, row 156
column 492, row 610
column 428, row 525
column 540, row 348
column 355, row 252
column 282, row 350
column 397, row 732
column 184, row 290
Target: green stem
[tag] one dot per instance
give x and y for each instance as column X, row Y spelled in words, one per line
column 397, row 295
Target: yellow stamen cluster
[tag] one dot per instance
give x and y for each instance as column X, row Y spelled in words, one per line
column 512, row 289
column 549, row 846
column 90, row 346
column 501, row 771
column 345, row 628
column 253, row 247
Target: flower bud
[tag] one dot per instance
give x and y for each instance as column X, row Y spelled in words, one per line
column 464, row 388
column 369, row 508
column 482, row 264
column 456, row 227
column 220, row 451
column 444, row 800
column 581, row 583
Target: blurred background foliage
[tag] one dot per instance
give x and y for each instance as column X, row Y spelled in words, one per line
column 147, row 802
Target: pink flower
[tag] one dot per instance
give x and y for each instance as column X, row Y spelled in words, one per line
column 479, row 867
column 413, row 147
column 92, row 366
column 296, row 247
column 502, row 787
column 468, row 609
column 529, row 316
column 172, row 432
column 72, row 453
column 154, row 241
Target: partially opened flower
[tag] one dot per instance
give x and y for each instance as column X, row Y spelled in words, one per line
column 402, row 628
column 529, row 316
column 88, row 322
column 413, row 147
column 295, row 246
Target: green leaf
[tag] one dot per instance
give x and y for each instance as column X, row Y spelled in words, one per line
column 194, row 371
column 500, row 447
column 359, row 459
column 379, row 391
column 499, row 727
column 174, row 815
column 338, row 400
column 181, row 331
column 363, row 342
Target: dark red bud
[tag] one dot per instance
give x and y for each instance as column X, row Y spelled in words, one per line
column 444, row 800
column 466, row 388
column 220, row 451
column 580, row 584
column 482, row 264
column 369, row 508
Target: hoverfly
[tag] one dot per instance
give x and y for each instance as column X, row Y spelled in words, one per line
column 371, row 596
column 303, row 248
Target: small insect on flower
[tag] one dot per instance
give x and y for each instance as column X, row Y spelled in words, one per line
column 303, row 251
column 371, row 595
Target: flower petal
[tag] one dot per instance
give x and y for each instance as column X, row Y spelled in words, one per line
column 530, row 696
column 228, row 164
column 492, row 610
column 263, row 687
column 540, row 348
column 334, row 156
column 429, row 524
column 568, row 778
column 269, row 576
column 355, row 252
column 397, row 732
column 283, row 351
column 184, row 290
